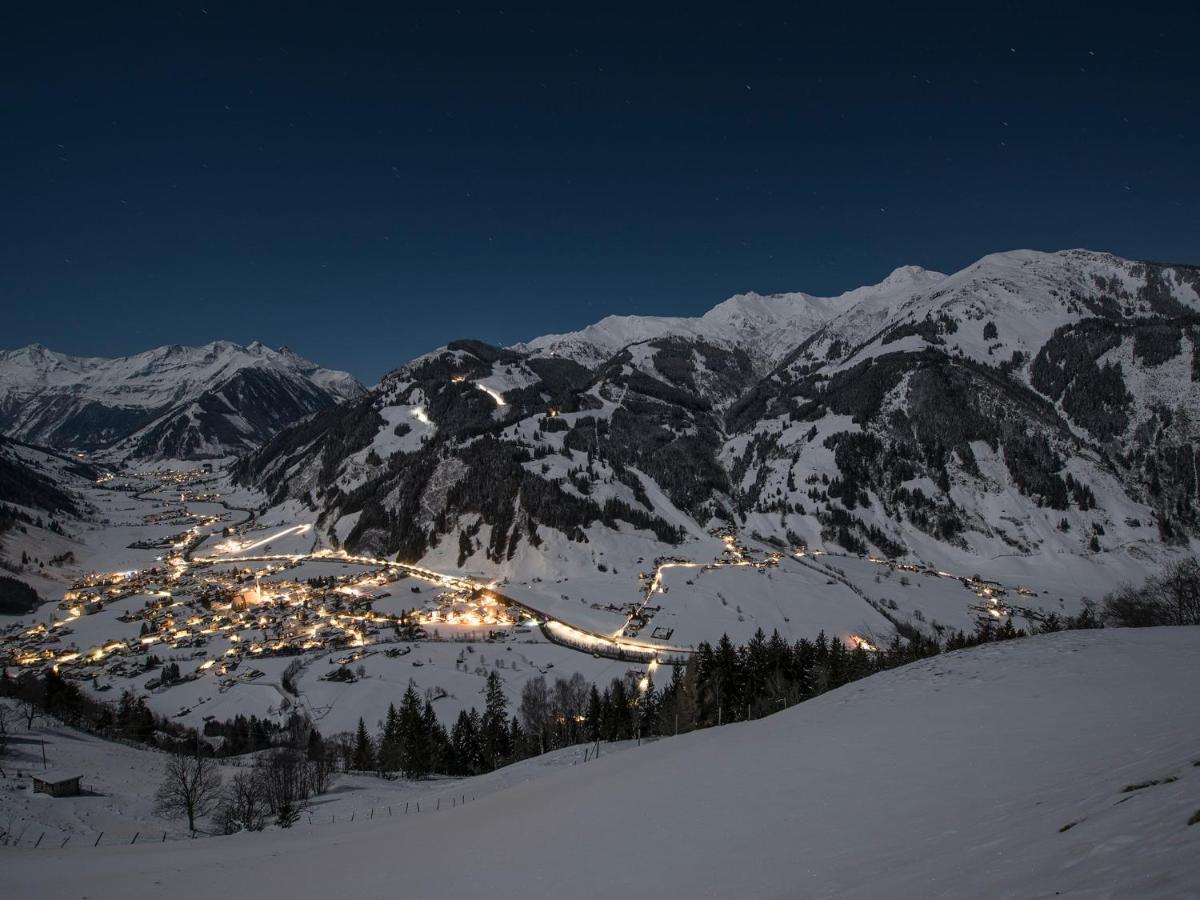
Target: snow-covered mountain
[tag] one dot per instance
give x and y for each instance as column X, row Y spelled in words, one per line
column 173, row 401
column 765, row 327
column 35, row 481
column 1034, row 409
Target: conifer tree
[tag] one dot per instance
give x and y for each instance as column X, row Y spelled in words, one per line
column 363, row 758
column 594, row 715
column 495, row 723
column 390, row 743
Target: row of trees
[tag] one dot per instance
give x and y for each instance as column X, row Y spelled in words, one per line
column 130, row 719
column 1172, row 598
column 414, row 743
column 277, row 788
column 719, row 684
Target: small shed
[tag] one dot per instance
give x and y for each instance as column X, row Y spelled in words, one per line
column 56, row 783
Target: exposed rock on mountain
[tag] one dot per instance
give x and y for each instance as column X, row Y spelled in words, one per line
column 176, row 402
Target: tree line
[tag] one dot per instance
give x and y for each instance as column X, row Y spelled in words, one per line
column 719, row 684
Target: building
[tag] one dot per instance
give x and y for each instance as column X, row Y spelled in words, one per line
column 56, row 784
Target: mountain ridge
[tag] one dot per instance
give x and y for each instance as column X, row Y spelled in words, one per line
column 764, row 323
column 102, row 404
column 1033, row 406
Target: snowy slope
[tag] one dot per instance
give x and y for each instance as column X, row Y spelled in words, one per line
column 120, row 778
column 765, row 326
column 985, row 393
column 1002, row 771
column 1026, row 293
column 170, row 401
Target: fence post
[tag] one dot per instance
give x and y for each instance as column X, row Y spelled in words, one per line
column 38, row 842
column 372, row 812
column 418, row 806
column 352, row 812
column 406, row 807
column 135, row 837
column 439, row 804
column 97, row 844
column 164, row 840
column 64, row 843
column 389, row 812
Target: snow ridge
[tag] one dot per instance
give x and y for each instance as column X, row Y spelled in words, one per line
column 92, row 403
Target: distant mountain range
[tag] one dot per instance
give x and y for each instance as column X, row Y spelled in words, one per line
column 170, row 402
column 1032, row 404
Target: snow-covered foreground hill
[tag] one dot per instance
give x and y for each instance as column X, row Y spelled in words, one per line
column 118, row 799
column 954, row 777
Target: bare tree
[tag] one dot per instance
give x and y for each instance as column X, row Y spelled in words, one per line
column 30, row 712
column 1172, row 598
column 288, row 679
column 570, row 704
column 4, row 714
column 320, row 770
column 191, row 787
column 286, row 783
column 1180, row 590
column 535, row 710
column 243, row 805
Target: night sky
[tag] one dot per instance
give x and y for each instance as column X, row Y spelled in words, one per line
column 365, row 183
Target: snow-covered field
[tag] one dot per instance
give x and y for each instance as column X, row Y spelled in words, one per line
column 453, row 673
column 795, row 600
column 119, row 781
column 1008, row 770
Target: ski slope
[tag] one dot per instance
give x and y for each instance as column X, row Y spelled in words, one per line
column 949, row 778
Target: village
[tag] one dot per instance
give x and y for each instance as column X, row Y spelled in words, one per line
column 189, row 617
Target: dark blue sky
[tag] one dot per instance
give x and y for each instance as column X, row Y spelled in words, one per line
column 367, row 183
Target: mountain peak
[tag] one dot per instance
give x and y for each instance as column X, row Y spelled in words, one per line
column 909, row 274
column 55, row 399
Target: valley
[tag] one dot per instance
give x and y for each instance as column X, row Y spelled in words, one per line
column 214, row 613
